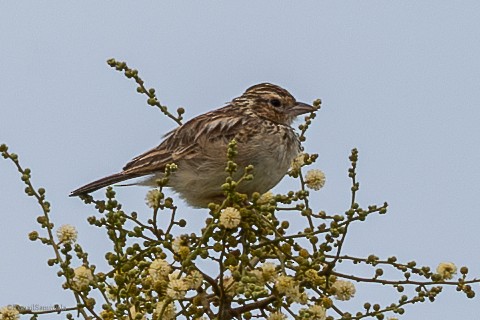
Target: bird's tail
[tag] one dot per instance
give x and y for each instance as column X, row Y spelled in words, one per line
column 103, row 182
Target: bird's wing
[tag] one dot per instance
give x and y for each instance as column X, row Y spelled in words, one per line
column 188, row 141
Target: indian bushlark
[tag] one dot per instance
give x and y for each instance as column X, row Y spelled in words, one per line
column 260, row 122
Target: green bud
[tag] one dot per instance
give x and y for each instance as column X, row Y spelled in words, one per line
column 41, row 219
column 436, row 277
column 51, row 262
column 392, row 259
column 29, row 191
column 168, row 202
column 182, row 223
column 33, row 235
column 249, row 177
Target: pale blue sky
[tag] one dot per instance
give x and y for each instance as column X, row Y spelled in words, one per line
column 399, row 80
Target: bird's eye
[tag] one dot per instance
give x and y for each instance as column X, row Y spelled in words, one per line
column 275, row 102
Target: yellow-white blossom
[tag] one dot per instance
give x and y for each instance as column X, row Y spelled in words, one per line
column 315, row 179
column 112, row 292
column 288, row 286
column 312, row 276
column 277, row 315
column 316, row 312
column 180, row 246
column 266, row 198
column 177, row 288
column 269, row 271
column 344, row 290
column 174, row 275
column 194, row 279
column 177, row 285
column 153, row 198
column 177, row 244
column 9, row 313
column 67, row 233
column 83, row 277
column 230, row 218
column 168, row 311
column 159, row 269
column 284, row 283
column 446, row 270
column 298, row 162
column 258, row 275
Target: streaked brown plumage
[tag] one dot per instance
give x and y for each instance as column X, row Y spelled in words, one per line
column 259, row 120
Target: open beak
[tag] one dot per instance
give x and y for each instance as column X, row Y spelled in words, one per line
column 301, row 108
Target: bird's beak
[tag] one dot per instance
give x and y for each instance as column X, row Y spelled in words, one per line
column 301, row 108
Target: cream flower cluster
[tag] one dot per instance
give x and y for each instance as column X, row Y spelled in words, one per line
column 269, row 271
column 446, row 270
column 266, row 198
column 180, row 246
column 288, row 286
column 159, row 269
column 177, row 285
column 194, row 280
column 67, row 234
column 177, row 288
column 315, row 312
column 9, row 313
column 315, row 179
column 344, row 290
column 298, row 162
column 153, row 197
column 230, row 218
column 82, row 278
column 169, row 311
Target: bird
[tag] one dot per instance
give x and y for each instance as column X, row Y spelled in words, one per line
column 260, row 122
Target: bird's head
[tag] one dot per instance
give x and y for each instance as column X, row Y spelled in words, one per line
column 273, row 103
